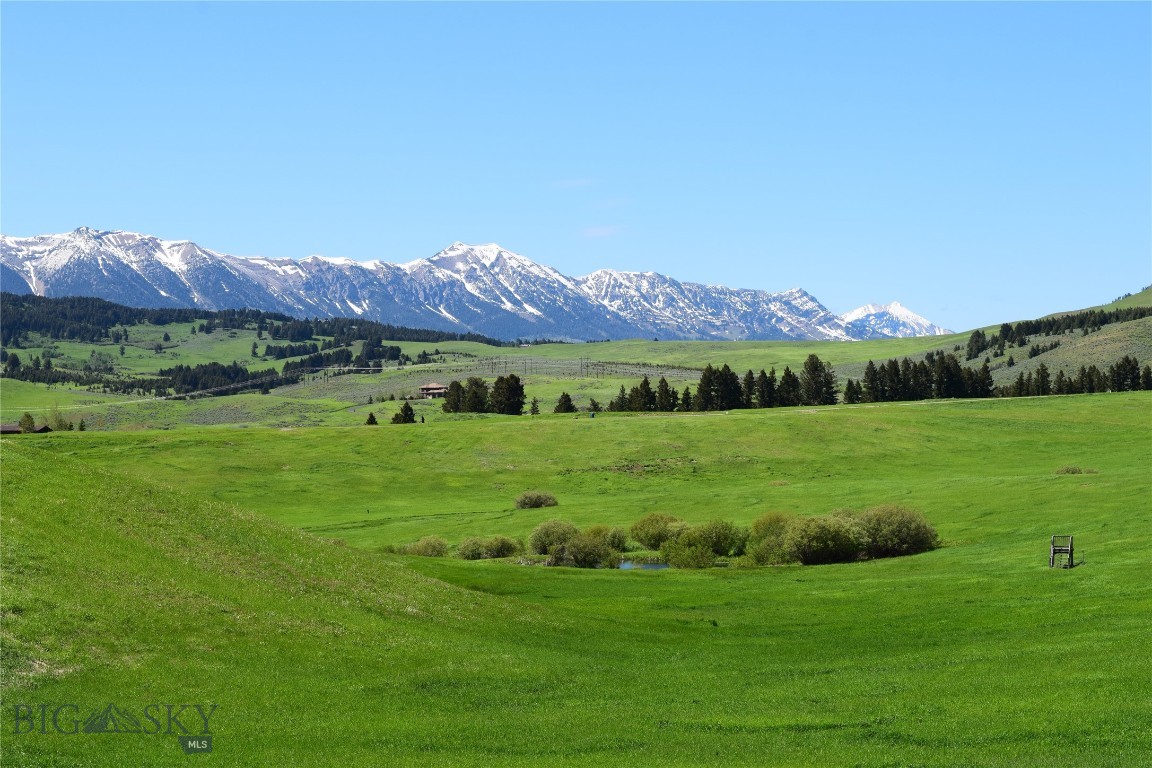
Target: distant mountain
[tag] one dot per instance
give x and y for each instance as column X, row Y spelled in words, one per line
column 873, row 321
column 465, row 288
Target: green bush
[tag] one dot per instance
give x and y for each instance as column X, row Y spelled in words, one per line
column 766, row 539
column 535, row 500
column 584, row 551
column 772, row 551
column 549, row 534
column 680, row 554
column 652, row 530
column 771, row 525
column 501, row 546
column 823, row 540
column 471, row 548
column 429, row 546
column 476, row 548
column 612, row 538
column 891, row 531
column 719, row 536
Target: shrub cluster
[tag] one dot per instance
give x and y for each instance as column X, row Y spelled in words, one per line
column 774, row 538
column 699, row 546
column 652, row 530
column 549, row 534
column 476, row 548
column 429, row 546
column 565, row 544
column 841, row 537
column 1074, row 470
column 535, row 500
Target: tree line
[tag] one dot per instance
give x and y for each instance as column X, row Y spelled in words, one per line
column 185, row 379
column 722, row 389
column 92, row 320
column 941, row 375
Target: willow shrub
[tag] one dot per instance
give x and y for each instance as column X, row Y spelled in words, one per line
column 823, row 540
column 429, row 546
column 549, row 534
column 892, row 531
column 612, row 538
column 652, row 530
column 535, row 500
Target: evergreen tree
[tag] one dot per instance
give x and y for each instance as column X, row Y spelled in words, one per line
column 665, row 396
column 534, row 409
column 977, row 343
column 594, row 405
column 817, row 382
column 1043, row 380
column 705, row 399
column 873, row 389
column 254, row 350
column 852, row 392
column 82, row 427
column 1020, row 387
column 748, row 390
column 766, row 389
column 686, row 403
column 1124, row 375
column 729, row 392
column 788, row 392
column 984, row 385
column 642, row 398
column 620, row 402
column 405, row 415
column 565, row 404
column 920, row 384
column 475, row 398
column 453, row 398
column 508, row 395
column 1145, row 377
column 371, row 418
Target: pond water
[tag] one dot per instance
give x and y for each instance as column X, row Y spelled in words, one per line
column 628, row 565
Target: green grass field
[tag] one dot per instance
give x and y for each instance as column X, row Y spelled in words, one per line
column 146, row 567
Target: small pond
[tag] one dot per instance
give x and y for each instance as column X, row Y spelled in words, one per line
column 628, row 565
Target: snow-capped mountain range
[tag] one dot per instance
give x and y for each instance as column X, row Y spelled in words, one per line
column 476, row 288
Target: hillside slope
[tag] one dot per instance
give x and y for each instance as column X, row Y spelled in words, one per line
column 123, row 591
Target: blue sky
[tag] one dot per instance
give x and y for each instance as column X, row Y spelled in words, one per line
column 979, row 162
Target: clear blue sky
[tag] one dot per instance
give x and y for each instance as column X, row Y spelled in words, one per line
column 979, row 162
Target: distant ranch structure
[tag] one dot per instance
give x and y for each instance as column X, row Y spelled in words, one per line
column 430, row 391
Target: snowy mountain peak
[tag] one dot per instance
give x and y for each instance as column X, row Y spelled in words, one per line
column 891, row 320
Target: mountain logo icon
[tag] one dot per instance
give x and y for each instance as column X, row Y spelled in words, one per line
column 112, row 719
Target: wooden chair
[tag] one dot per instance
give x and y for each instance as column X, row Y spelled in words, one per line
column 1062, row 554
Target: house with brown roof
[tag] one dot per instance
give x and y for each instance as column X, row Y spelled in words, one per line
column 430, row 391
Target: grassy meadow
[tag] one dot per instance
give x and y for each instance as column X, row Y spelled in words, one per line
column 240, row 568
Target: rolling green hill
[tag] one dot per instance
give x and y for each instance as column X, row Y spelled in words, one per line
column 144, row 568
